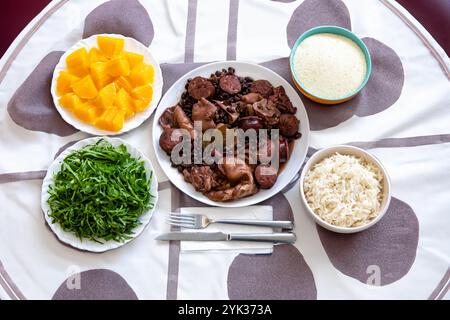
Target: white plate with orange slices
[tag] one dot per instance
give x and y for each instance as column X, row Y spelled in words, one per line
column 106, row 84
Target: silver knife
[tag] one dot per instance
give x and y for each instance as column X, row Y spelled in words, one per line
column 281, row 237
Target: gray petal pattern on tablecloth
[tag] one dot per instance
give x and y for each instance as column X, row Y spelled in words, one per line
column 96, row 284
column 314, row 13
column 173, row 71
column 282, row 209
column 284, row 267
column 125, row 17
column 381, row 91
column 280, row 66
column 385, row 84
column 31, row 175
column 283, row 274
column 64, row 147
column 389, row 246
column 31, row 106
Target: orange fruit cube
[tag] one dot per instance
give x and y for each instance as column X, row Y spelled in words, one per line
column 142, row 74
column 123, row 83
column 117, row 67
column 86, row 112
column 78, row 102
column 110, row 46
column 95, row 113
column 70, row 100
column 112, row 119
column 85, row 88
column 125, row 103
column 144, row 93
column 140, row 105
column 105, row 120
column 106, row 96
column 99, row 75
column 118, row 121
column 78, row 62
column 95, row 55
column 105, row 85
column 64, row 82
column 133, row 58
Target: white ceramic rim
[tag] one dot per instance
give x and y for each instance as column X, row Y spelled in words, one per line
column 346, row 149
column 256, row 71
column 130, row 45
column 89, row 245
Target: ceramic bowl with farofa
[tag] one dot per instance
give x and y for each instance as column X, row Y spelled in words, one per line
column 330, row 64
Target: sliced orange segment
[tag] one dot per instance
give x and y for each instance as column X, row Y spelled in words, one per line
column 133, row 58
column 112, row 119
column 105, row 85
column 78, row 62
column 64, row 82
column 70, row 100
column 142, row 74
column 123, row 83
column 99, row 75
column 95, row 55
column 143, row 96
column 143, row 93
column 125, row 103
column 86, row 112
column 118, row 121
column 110, row 46
column 106, row 96
column 118, row 67
column 85, row 88
column 140, row 105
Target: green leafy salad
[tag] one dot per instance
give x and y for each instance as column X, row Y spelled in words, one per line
column 100, row 193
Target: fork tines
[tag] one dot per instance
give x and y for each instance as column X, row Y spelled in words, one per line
column 181, row 220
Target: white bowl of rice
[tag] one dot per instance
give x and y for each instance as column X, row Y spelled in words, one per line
column 345, row 189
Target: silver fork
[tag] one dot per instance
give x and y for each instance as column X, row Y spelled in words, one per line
column 200, row 221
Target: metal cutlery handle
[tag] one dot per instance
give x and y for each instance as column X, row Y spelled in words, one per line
column 287, row 237
column 261, row 223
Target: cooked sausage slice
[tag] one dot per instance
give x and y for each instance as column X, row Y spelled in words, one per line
column 251, row 122
column 266, row 175
column 230, row 84
column 170, row 138
column 289, row 125
column 283, row 149
column 166, row 120
column 200, row 87
column 263, row 87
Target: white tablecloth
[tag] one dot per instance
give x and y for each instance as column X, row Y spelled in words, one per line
column 402, row 116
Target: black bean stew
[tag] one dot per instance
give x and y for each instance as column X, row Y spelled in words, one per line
column 227, row 101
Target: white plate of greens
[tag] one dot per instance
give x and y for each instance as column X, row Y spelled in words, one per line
column 99, row 194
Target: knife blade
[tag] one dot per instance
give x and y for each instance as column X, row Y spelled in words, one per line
column 193, row 236
column 282, row 237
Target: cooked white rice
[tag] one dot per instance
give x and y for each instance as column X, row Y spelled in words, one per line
column 344, row 190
